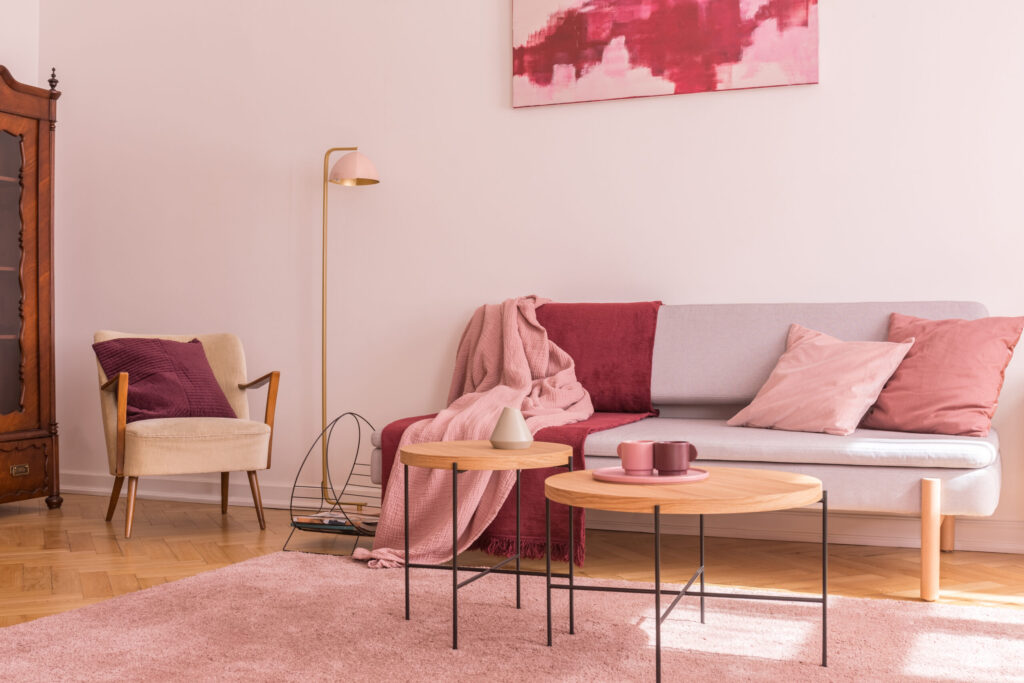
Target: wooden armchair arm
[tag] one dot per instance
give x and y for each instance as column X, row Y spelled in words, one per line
column 120, row 385
column 268, row 417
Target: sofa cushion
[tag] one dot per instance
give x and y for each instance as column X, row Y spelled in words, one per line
column 214, row 444
column 862, row 489
column 715, row 354
column 715, row 440
column 949, row 383
column 822, row 384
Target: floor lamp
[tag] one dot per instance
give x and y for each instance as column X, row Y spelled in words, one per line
column 352, row 170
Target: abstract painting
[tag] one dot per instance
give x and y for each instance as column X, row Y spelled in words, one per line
column 585, row 50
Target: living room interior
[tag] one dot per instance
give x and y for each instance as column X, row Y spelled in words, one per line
column 190, row 197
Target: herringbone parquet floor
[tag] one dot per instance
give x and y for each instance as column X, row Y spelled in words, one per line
column 56, row 560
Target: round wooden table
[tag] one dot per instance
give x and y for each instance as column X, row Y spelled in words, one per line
column 460, row 456
column 480, row 455
column 727, row 490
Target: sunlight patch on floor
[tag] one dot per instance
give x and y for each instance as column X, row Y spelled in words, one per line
column 980, row 658
column 982, row 598
column 735, row 634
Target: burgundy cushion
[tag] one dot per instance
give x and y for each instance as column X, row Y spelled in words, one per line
column 612, row 344
column 950, row 380
column 165, row 378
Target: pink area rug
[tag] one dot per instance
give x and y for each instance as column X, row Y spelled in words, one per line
column 292, row 616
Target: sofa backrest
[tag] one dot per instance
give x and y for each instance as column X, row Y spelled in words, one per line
column 721, row 354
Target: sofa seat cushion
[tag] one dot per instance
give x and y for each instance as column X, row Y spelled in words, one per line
column 156, row 446
column 715, row 440
column 971, row 492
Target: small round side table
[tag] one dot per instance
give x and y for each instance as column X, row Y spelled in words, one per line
column 727, row 490
column 459, row 456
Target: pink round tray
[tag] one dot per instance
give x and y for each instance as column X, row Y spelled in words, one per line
column 619, row 476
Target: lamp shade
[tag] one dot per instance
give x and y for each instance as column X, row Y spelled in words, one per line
column 354, row 169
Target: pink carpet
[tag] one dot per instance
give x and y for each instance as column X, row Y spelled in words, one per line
column 292, row 616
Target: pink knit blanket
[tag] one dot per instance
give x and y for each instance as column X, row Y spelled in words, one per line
column 504, row 359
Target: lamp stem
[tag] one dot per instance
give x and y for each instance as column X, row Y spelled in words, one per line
column 324, row 481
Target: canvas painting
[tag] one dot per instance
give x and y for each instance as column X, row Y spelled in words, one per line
column 585, row 50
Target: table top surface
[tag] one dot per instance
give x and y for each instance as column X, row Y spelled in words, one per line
column 727, row 490
column 480, row 455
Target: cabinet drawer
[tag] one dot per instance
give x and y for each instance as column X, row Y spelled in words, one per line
column 23, row 469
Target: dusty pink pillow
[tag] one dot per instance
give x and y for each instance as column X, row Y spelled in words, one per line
column 822, row 384
column 949, row 382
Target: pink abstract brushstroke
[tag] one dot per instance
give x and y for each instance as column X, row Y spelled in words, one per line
column 644, row 47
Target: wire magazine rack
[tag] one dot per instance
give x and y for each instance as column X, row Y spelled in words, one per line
column 351, row 509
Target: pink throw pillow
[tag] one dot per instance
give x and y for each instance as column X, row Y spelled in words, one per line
column 822, row 384
column 949, row 383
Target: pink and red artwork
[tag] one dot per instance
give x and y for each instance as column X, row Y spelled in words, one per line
column 585, row 50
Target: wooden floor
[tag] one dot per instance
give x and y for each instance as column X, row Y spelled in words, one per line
column 56, row 560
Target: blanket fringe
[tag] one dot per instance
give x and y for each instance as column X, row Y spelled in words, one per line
column 505, row 546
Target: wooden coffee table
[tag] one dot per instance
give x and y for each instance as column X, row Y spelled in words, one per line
column 726, row 491
column 459, row 456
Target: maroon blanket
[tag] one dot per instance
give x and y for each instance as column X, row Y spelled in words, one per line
column 612, row 346
column 500, row 537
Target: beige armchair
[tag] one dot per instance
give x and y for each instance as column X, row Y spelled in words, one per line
column 189, row 445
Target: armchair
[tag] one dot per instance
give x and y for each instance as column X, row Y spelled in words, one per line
column 189, row 445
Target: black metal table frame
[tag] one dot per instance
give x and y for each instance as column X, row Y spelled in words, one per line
column 480, row 571
column 657, row 591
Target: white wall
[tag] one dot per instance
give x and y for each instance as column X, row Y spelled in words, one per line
column 19, row 39
column 188, row 192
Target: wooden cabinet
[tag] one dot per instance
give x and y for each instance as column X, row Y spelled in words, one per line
column 28, row 422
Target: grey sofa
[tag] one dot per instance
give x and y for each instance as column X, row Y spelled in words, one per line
column 710, row 360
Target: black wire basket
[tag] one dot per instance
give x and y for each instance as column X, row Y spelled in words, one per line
column 351, row 509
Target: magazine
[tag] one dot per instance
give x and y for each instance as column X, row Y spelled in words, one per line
column 336, row 519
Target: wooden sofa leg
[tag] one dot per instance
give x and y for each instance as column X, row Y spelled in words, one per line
column 114, row 495
column 947, row 534
column 224, row 478
column 254, row 484
column 129, row 517
column 931, row 521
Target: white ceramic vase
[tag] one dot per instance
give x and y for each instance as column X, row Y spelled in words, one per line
column 511, row 432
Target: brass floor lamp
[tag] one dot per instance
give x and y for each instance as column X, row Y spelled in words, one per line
column 352, row 170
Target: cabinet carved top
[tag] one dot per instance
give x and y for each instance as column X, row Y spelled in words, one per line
column 22, row 99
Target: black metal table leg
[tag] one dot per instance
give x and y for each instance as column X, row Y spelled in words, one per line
column 702, row 569
column 547, row 524
column 685, row 591
column 405, row 505
column 824, row 578
column 657, row 592
column 519, row 543
column 455, row 556
column 572, row 556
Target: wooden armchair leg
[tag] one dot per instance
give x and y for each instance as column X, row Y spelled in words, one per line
column 114, row 495
column 224, row 492
column 133, row 483
column 947, row 534
column 254, row 484
column 931, row 521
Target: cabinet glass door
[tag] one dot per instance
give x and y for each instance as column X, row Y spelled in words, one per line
column 11, row 295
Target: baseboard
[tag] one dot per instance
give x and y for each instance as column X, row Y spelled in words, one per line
column 189, row 489
column 900, row 531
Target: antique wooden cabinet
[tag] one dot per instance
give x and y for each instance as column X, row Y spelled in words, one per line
column 28, row 423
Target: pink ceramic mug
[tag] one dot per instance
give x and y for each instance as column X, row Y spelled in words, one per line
column 637, row 457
